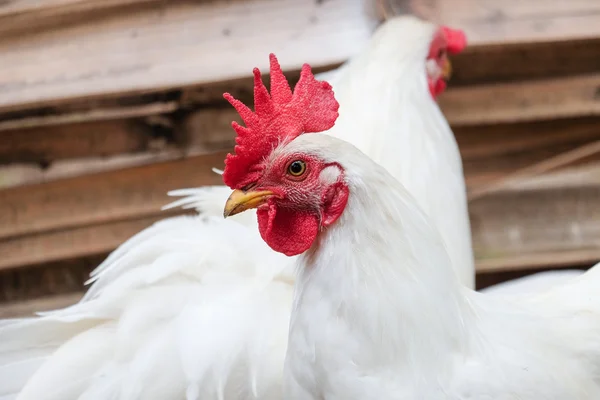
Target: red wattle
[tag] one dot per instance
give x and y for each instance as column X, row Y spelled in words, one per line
column 436, row 88
column 290, row 232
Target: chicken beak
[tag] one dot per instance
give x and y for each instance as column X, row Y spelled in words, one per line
column 240, row 201
column 447, row 70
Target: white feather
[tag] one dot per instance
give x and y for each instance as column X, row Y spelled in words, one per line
column 404, row 130
column 534, row 283
column 393, row 322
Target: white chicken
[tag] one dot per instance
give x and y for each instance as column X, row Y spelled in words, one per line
column 182, row 310
column 378, row 311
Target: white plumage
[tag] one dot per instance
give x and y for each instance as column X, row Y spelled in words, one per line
column 198, row 307
column 533, row 283
column 173, row 312
column 402, row 129
column 392, row 321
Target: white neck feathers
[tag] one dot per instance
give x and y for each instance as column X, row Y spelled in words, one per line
column 384, row 270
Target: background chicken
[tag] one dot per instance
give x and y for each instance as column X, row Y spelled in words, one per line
column 378, row 311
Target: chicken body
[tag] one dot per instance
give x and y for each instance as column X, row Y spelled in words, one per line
column 533, row 283
column 368, row 86
column 379, row 314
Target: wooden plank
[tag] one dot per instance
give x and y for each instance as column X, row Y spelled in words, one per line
column 542, row 226
column 569, row 178
column 28, row 174
column 36, row 8
column 78, row 242
column 197, row 133
column 492, row 151
column 163, row 46
column 92, row 114
column 477, row 65
column 480, row 63
column 47, row 279
column 208, row 129
column 23, row 17
column 101, row 198
column 491, row 21
column 523, row 101
column 50, row 143
column 488, row 141
column 137, row 62
column 28, row 308
column 509, row 62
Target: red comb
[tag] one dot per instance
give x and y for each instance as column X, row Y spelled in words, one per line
column 456, row 39
column 278, row 117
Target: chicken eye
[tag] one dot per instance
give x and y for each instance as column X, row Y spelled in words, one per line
column 297, row 168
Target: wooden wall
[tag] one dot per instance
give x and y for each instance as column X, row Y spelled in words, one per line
column 105, row 105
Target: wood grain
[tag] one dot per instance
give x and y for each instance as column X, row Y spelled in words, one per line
column 91, row 112
column 36, row 8
column 50, row 143
column 208, row 129
column 156, row 26
column 510, row 62
column 538, row 226
column 103, row 197
column 24, row 17
column 492, row 151
column 491, row 21
column 163, row 46
column 82, row 148
column 21, row 174
column 47, row 279
column 72, row 243
column 523, row 101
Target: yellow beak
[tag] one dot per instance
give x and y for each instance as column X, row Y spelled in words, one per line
column 240, row 201
column 447, row 70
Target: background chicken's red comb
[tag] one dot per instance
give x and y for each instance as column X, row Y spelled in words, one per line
column 278, row 117
column 456, row 39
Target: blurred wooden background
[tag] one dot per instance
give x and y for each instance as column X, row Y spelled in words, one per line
column 105, row 105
